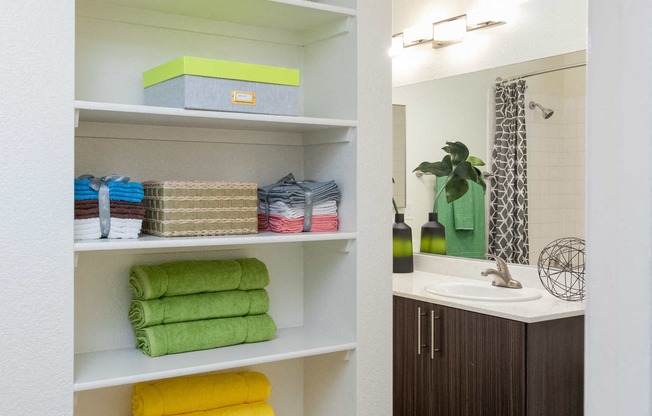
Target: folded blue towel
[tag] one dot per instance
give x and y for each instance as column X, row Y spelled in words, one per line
column 113, row 191
column 118, row 191
column 113, row 197
column 111, row 187
column 84, row 183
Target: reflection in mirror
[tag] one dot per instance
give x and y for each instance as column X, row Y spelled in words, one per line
column 398, row 158
column 462, row 108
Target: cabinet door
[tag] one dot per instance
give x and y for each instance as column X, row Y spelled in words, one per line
column 555, row 367
column 479, row 369
column 412, row 361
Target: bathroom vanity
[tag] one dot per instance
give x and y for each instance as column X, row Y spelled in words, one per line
column 461, row 357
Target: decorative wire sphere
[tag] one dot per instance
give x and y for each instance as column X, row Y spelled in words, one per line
column 561, row 268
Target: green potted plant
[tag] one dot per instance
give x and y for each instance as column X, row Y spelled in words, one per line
column 458, row 167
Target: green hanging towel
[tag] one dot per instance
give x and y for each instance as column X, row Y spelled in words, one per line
column 464, row 220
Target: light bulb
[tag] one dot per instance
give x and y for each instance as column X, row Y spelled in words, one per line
column 417, row 34
column 449, row 32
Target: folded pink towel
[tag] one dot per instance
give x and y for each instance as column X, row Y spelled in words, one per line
column 281, row 224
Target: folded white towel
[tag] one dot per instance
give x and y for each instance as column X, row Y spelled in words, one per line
column 87, row 224
column 88, row 234
column 126, row 223
column 121, row 228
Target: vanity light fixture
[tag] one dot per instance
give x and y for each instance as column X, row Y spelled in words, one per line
column 397, row 45
column 484, row 18
column 448, row 31
column 416, row 35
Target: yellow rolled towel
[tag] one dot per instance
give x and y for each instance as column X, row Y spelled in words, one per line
column 253, row 409
column 258, row 387
column 198, row 393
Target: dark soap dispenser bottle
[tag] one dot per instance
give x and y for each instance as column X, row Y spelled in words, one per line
column 402, row 245
column 433, row 236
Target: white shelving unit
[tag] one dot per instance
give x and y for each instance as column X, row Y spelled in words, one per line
column 151, row 242
column 125, row 366
column 313, row 275
column 176, row 117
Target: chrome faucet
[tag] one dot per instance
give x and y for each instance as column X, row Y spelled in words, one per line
column 502, row 277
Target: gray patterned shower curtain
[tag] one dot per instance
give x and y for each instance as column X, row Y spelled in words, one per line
column 508, row 209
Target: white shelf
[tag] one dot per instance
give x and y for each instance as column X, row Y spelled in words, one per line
column 97, row 112
column 293, row 15
column 150, row 242
column 101, row 369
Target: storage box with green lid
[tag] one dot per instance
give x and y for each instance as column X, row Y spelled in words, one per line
column 209, row 84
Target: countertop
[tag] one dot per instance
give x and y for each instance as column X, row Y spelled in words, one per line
column 546, row 308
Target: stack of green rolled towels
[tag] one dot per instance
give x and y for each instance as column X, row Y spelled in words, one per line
column 196, row 305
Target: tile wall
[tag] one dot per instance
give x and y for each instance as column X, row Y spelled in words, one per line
column 556, row 151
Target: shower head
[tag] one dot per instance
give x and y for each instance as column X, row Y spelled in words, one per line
column 545, row 112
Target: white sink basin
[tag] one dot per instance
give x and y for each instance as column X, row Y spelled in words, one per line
column 482, row 291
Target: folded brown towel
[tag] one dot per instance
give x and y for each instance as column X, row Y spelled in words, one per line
column 119, row 209
column 92, row 203
column 113, row 215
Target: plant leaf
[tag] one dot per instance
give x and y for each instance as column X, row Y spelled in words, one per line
column 459, row 167
column 447, row 161
column 465, row 171
column 434, row 168
column 455, row 189
column 475, row 161
column 458, row 152
column 480, row 180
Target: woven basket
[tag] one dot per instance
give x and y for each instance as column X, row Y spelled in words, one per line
column 196, row 208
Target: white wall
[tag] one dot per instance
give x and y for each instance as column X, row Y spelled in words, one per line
column 618, row 379
column 36, row 263
column 534, row 29
column 374, row 352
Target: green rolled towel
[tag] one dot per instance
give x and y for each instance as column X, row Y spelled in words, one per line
column 259, row 328
column 167, row 310
column 254, row 274
column 184, row 278
column 258, row 301
column 159, row 340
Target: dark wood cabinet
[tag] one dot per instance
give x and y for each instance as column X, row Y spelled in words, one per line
column 451, row 362
column 412, row 363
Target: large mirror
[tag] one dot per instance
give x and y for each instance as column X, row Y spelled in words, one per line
column 463, row 108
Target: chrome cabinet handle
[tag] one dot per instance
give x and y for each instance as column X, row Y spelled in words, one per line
column 432, row 334
column 420, row 345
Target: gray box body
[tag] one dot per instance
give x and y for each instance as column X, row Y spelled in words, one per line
column 205, row 93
